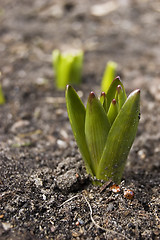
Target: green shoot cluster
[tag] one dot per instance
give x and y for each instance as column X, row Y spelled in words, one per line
column 105, row 129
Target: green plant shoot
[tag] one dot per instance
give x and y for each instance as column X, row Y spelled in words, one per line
column 108, row 76
column 2, row 98
column 67, row 67
column 105, row 129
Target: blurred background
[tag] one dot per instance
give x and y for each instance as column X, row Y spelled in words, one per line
column 125, row 31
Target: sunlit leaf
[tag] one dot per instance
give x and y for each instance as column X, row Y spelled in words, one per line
column 76, row 114
column 103, row 100
column 120, row 139
column 121, row 97
column 113, row 111
column 96, row 128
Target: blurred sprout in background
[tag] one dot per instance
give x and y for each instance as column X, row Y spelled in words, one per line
column 2, row 98
column 109, row 75
column 67, row 67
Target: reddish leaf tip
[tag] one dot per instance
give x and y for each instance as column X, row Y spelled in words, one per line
column 103, row 94
column 68, row 86
column 114, row 101
column 91, row 96
column 118, row 77
column 119, row 88
column 138, row 90
column 135, row 92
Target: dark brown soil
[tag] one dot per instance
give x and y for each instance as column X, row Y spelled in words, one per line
column 40, row 166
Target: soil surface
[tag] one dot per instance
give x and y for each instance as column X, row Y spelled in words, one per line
column 45, row 192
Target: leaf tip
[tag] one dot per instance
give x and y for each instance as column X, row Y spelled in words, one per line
column 119, row 88
column 118, row 77
column 68, row 87
column 138, row 90
column 91, row 95
column 114, row 101
column 103, row 94
column 91, row 98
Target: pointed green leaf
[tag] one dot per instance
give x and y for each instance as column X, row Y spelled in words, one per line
column 120, row 97
column 112, row 112
column 96, row 128
column 108, row 76
column 76, row 114
column 120, row 139
column 112, row 90
column 102, row 97
column 103, row 100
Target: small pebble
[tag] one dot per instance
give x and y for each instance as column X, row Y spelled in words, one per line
column 6, row 226
column 103, row 9
column 81, row 222
column 142, row 154
column 61, row 144
column 110, row 207
column 44, row 197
